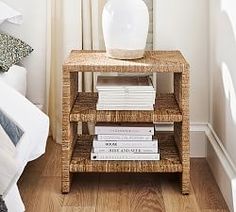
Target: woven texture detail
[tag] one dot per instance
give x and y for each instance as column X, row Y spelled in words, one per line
column 169, row 162
column 166, row 109
column 153, row 61
column 80, row 107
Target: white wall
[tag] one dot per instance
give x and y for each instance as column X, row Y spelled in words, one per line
column 223, row 72
column 183, row 25
column 32, row 31
column 150, row 32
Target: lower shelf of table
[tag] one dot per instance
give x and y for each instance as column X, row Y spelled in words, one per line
column 170, row 161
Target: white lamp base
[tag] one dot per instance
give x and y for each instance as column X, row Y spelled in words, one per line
column 124, row 54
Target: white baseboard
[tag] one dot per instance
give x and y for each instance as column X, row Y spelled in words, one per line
column 198, row 139
column 205, row 143
column 222, row 168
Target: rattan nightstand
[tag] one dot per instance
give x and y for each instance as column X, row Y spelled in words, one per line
column 81, row 107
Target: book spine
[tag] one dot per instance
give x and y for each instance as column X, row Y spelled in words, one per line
column 134, row 93
column 124, row 88
column 109, row 156
column 124, row 107
column 104, row 130
column 125, row 150
column 124, row 137
column 126, row 96
column 127, row 102
column 123, row 144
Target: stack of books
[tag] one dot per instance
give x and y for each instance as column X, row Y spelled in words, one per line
column 125, row 93
column 124, row 142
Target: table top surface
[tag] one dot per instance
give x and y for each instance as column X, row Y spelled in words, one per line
column 153, row 61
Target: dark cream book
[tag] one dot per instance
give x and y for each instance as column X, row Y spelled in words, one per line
column 125, row 156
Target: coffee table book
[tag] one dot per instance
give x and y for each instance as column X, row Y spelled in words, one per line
column 124, row 137
column 124, row 83
column 124, row 129
column 125, row 144
column 125, row 156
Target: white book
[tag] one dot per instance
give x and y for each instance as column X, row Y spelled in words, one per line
column 125, row 144
column 128, row 101
column 134, row 94
column 124, row 137
column 126, row 150
column 126, row 89
column 128, row 93
column 124, row 107
column 111, row 95
column 124, row 128
column 125, row 156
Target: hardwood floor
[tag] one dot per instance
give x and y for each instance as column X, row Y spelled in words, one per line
column 40, row 189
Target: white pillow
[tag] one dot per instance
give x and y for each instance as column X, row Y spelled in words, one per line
column 8, row 171
column 9, row 14
column 16, row 77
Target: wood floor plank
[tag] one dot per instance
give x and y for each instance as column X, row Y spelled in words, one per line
column 205, row 188
column 83, row 191
column 173, row 199
column 108, row 198
column 77, row 209
column 123, row 184
column 40, row 190
column 27, row 186
column 145, row 193
column 47, row 196
column 53, row 161
column 129, row 192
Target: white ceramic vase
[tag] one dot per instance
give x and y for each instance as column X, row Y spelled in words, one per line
column 125, row 28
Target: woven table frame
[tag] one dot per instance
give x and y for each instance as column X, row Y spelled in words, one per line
column 80, row 107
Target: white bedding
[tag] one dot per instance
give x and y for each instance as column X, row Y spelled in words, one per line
column 9, row 14
column 35, row 125
column 12, row 198
column 15, row 77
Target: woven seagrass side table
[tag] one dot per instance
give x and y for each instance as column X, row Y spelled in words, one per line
column 170, row 107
